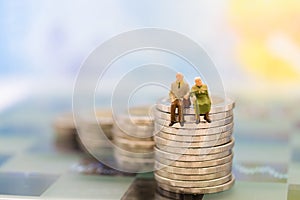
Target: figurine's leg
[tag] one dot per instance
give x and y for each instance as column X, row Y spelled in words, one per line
column 183, row 114
column 180, row 113
column 197, row 113
column 173, row 108
column 185, row 107
column 206, row 117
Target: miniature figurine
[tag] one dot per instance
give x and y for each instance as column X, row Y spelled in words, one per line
column 179, row 94
column 201, row 99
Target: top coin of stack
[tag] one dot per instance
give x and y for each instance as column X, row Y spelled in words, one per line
column 134, row 141
column 194, row 158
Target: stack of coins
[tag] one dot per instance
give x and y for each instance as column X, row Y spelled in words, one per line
column 133, row 139
column 194, row 158
column 66, row 137
column 96, row 130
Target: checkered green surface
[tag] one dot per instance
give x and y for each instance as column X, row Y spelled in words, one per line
column 266, row 156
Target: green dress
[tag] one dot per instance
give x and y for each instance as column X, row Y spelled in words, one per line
column 202, row 103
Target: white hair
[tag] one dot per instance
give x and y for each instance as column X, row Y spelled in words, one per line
column 179, row 73
column 197, row 78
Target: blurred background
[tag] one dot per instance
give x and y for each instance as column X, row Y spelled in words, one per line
column 254, row 44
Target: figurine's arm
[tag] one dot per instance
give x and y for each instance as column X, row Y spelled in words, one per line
column 205, row 90
column 187, row 95
column 193, row 91
column 172, row 96
column 207, row 93
column 192, row 94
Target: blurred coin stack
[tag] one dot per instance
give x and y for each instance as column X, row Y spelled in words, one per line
column 97, row 130
column 194, row 158
column 134, row 144
column 66, row 133
column 66, row 137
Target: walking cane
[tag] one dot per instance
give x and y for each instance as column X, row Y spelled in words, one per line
column 197, row 111
column 196, row 105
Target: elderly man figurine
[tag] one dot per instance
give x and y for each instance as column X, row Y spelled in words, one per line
column 179, row 91
column 202, row 102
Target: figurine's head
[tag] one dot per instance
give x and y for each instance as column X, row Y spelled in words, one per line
column 198, row 81
column 179, row 77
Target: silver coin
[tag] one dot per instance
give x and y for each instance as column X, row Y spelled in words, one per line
column 127, row 153
column 135, row 132
column 121, row 134
column 195, row 164
column 133, row 165
column 129, row 127
column 218, row 105
column 194, row 138
column 93, row 123
column 100, row 117
column 90, row 127
column 133, row 124
column 189, row 158
column 192, row 177
column 194, row 126
column 136, row 116
column 88, row 131
column 163, row 143
column 133, row 159
column 200, row 190
column 104, row 152
column 197, row 151
column 94, row 134
column 191, row 118
column 189, row 184
column 136, row 150
column 134, row 145
column 95, row 144
column 99, row 140
column 140, row 111
column 193, row 171
column 135, row 162
column 141, row 134
column 204, row 131
column 136, row 120
column 95, row 126
column 104, row 116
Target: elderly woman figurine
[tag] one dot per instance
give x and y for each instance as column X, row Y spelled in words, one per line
column 202, row 102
